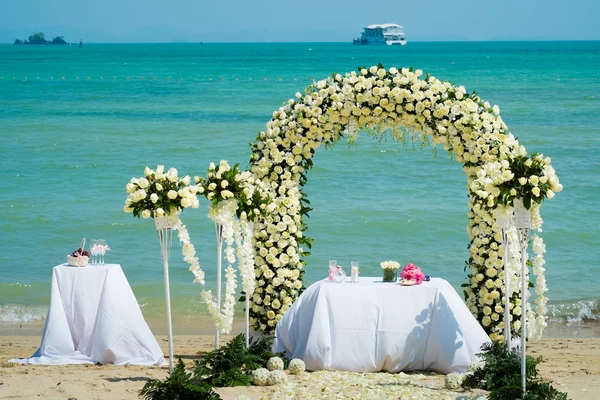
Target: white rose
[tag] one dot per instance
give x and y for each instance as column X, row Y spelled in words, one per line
column 143, row 182
column 186, row 180
column 148, row 171
column 172, row 175
column 523, row 181
column 154, row 197
column 185, row 202
column 158, row 187
column 130, row 187
column 146, row 213
column 550, row 194
column 224, row 184
column 172, row 194
column 160, row 211
column 212, row 186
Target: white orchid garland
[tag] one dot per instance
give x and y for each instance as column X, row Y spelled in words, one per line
column 413, row 108
column 234, row 198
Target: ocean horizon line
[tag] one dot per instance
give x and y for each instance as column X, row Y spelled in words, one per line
column 324, row 42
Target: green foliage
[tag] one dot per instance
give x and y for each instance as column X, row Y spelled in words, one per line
column 178, row 386
column 501, row 376
column 230, row 365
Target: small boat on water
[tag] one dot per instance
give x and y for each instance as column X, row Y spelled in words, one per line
column 390, row 34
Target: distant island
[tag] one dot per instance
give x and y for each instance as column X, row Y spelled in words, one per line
column 40, row 38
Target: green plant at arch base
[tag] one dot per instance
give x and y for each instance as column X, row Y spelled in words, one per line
column 408, row 106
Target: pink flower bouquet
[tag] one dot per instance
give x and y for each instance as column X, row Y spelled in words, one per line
column 412, row 273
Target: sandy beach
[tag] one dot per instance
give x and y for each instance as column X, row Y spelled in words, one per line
column 573, row 364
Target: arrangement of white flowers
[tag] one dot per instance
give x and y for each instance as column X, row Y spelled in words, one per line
column 454, row 380
column 224, row 182
column 158, row 193
column 390, row 265
column 276, row 377
column 411, row 107
column 260, row 377
column 235, row 201
column 296, row 366
column 275, row 363
column 328, row 385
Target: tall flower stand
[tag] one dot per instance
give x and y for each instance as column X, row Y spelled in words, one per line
column 522, row 221
column 219, row 233
column 164, row 228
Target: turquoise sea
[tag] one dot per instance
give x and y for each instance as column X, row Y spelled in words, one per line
column 77, row 123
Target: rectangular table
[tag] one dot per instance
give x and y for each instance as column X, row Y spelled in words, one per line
column 374, row 326
column 94, row 317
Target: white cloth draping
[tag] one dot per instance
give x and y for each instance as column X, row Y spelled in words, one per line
column 374, row 326
column 94, row 317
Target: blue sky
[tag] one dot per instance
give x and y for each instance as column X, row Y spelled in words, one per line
column 297, row 21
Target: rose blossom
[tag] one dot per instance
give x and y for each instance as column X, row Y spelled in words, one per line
column 412, row 273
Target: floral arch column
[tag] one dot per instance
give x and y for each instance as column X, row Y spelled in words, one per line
column 408, row 106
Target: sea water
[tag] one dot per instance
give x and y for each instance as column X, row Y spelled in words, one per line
column 77, row 123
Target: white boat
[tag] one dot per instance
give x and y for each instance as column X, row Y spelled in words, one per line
column 390, row 34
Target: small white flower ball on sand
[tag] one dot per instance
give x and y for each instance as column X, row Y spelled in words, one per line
column 296, row 366
column 260, row 377
column 453, row 380
column 275, row 363
column 276, row 377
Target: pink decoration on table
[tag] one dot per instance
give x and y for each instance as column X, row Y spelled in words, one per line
column 412, row 273
column 331, row 273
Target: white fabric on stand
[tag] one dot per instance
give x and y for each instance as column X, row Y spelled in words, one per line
column 94, row 317
column 374, row 326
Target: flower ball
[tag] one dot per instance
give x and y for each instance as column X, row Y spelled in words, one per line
column 296, row 366
column 453, row 380
column 276, row 377
column 274, row 364
column 474, row 366
column 260, row 377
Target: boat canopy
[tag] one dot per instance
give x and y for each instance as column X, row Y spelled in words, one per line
column 383, row 26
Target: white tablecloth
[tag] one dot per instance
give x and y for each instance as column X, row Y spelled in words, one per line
column 374, row 326
column 94, row 318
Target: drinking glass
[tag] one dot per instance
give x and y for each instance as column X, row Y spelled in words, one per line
column 94, row 251
column 354, row 271
column 101, row 250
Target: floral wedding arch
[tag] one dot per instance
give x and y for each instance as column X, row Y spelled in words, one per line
column 267, row 201
column 409, row 107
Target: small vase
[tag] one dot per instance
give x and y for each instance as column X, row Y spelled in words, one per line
column 389, row 275
column 339, row 275
column 166, row 221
